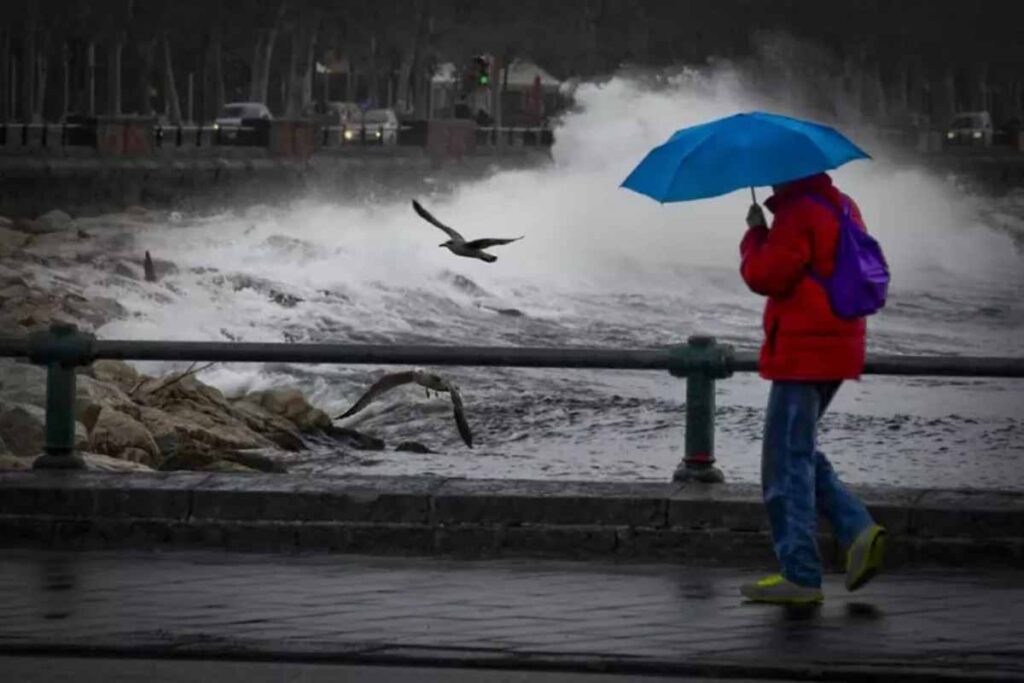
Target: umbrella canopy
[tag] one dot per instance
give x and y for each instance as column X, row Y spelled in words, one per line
column 745, row 150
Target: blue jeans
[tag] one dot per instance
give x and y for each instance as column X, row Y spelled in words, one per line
column 798, row 481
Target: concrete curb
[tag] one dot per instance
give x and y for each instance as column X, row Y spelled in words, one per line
column 719, row 524
column 172, row 649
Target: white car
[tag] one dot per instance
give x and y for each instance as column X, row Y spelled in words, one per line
column 230, row 118
column 376, row 127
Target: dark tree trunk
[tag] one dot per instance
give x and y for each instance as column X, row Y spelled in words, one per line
column 262, row 58
column 170, row 89
column 42, row 78
column 114, row 50
column 28, row 67
column 5, row 75
column 217, row 70
column 146, row 49
column 303, row 34
column 373, row 82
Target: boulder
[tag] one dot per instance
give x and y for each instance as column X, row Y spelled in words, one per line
column 186, row 428
column 258, row 462
column 23, row 429
column 227, row 466
column 26, row 225
column 104, row 463
column 54, row 221
column 357, row 440
column 11, row 241
column 14, row 463
column 93, row 395
column 413, row 447
column 291, row 405
column 279, row 430
column 119, row 435
column 115, row 372
column 22, row 382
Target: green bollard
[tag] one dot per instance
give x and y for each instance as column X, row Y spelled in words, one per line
column 701, row 362
column 62, row 348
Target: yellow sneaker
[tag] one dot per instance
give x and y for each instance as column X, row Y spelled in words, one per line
column 864, row 558
column 778, row 591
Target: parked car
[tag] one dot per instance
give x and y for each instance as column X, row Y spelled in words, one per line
column 232, row 117
column 376, row 126
column 334, row 115
column 970, row 128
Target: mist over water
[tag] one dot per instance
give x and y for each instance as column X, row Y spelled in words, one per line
column 599, row 266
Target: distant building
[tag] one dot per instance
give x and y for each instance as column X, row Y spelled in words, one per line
column 530, row 95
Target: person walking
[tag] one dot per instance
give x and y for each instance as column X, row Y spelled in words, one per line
column 808, row 351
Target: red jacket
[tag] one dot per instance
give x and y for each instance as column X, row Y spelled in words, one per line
column 804, row 340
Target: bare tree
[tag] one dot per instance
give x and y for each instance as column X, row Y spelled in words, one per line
column 170, row 89
column 262, row 55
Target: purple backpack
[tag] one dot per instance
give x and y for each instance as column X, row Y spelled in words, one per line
column 860, row 279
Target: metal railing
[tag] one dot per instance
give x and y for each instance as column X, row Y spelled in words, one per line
column 191, row 136
column 701, row 361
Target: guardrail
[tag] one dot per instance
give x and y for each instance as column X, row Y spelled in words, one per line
column 28, row 136
column 701, row 361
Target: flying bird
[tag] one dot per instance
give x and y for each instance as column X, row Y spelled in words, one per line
column 458, row 244
column 430, row 382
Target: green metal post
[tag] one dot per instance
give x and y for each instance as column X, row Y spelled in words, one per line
column 701, row 361
column 62, row 348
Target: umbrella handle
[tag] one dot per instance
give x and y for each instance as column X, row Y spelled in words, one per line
column 752, row 195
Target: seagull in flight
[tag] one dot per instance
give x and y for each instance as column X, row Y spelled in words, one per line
column 458, row 244
column 430, row 382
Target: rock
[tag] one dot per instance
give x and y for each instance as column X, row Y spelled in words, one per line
column 125, row 270
column 5, row 222
column 93, row 395
column 14, row 463
column 14, row 293
column 11, row 241
column 357, row 440
column 185, row 429
column 54, row 221
column 104, row 463
column 226, row 466
column 162, row 268
column 413, row 447
column 133, row 454
column 292, row 405
column 39, row 309
column 115, row 372
column 23, row 429
column 279, row 430
column 258, row 462
column 121, row 436
column 26, row 225
column 22, row 382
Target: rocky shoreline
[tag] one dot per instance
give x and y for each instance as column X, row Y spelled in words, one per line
column 127, row 421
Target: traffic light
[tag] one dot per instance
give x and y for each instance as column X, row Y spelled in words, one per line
column 483, row 71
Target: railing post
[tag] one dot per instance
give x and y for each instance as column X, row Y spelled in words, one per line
column 702, row 361
column 62, row 348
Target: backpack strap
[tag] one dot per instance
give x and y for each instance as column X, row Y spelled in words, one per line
column 843, row 211
column 840, row 214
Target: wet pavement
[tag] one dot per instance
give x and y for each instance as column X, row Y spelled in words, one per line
column 504, row 614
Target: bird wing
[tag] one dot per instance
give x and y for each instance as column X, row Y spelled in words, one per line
column 490, row 242
column 427, row 216
column 385, row 383
column 460, row 417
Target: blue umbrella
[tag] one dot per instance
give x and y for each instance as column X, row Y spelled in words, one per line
column 744, row 150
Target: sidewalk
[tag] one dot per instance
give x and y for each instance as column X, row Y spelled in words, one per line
column 513, row 614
